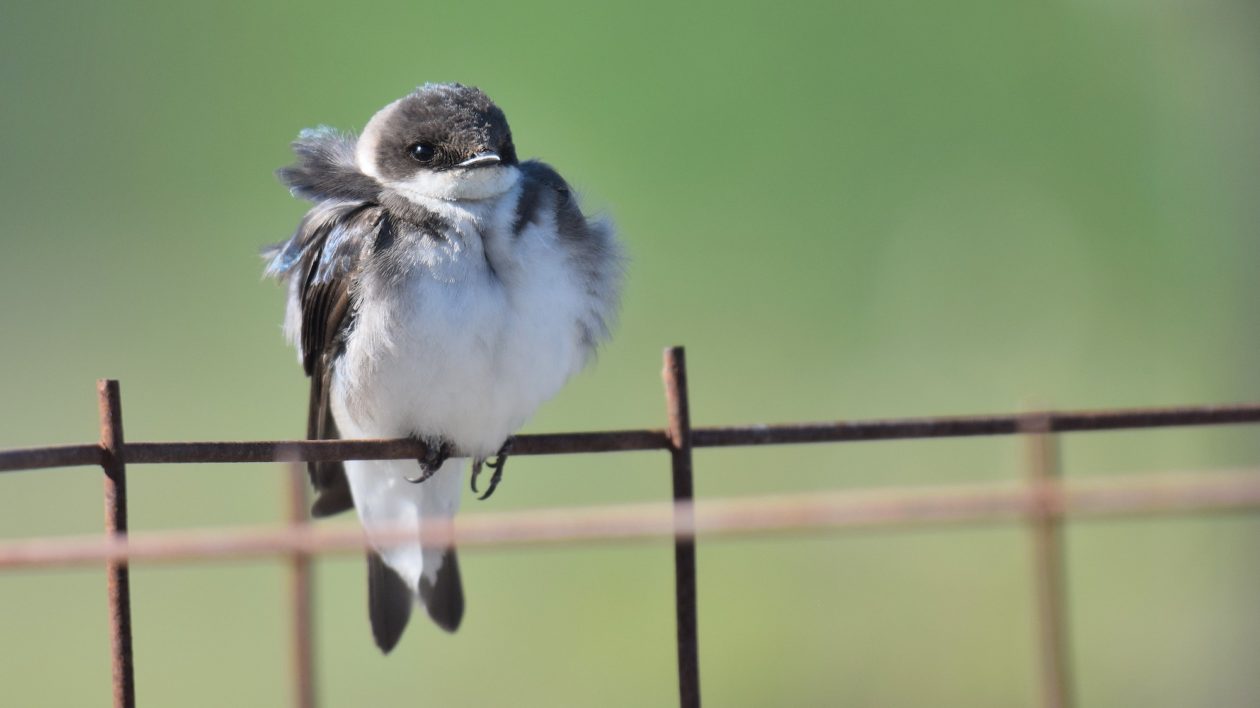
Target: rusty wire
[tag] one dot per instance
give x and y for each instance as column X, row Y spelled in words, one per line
column 1043, row 503
column 301, row 592
column 1049, row 566
column 118, row 576
column 648, row 439
column 1127, row 496
column 678, row 411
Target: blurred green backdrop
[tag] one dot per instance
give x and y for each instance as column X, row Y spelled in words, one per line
column 842, row 209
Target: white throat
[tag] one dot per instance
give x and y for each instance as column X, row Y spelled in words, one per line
column 475, row 183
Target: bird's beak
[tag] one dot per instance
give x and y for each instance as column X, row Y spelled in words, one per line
column 481, row 159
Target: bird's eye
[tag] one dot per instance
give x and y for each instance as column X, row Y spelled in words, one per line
column 421, row 152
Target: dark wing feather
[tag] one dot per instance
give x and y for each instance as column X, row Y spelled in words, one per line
column 324, row 256
column 324, row 309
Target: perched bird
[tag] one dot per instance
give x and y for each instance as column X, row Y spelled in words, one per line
column 438, row 289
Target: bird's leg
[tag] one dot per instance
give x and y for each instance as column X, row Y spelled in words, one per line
column 500, row 459
column 434, row 455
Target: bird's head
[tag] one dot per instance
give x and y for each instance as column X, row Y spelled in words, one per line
column 442, row 141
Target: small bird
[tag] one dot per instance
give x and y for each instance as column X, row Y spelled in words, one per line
column 438, row 289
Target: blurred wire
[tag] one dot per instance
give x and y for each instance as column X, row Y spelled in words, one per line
column 911, row 506
column 1043, row 502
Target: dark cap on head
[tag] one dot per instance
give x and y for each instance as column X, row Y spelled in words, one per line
column 437, row 127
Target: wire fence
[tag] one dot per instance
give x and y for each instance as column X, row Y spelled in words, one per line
column 1043, row 501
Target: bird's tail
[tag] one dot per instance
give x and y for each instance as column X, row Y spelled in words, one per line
column 398, row 574
column 444, row 596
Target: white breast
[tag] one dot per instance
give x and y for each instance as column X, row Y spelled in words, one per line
column 469, row 346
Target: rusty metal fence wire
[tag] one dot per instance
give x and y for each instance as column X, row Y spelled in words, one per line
column 1043, row 502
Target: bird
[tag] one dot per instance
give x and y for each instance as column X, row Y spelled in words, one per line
column 438, row 289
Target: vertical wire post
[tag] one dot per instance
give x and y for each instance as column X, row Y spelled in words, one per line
column 1050, row 565
column 117, row 576
column 301, row 654
column 675, row 375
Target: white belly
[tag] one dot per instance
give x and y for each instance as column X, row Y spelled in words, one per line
column 457, row 351
column 463, row 352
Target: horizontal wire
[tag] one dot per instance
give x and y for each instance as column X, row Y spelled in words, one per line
column 883, row 508
column 629, row 440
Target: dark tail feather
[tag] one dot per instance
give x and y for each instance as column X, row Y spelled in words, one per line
column 444, row 598
column 389, row 602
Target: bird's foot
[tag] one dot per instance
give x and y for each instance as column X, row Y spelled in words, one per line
column 500, row 459
column 434, row 456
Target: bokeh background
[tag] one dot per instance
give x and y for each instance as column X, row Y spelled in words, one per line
column 843, row 210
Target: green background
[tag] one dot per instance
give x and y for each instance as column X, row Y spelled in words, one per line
column 843, row 210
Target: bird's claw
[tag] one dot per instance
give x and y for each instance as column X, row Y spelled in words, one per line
column 424, row 475
column 500, row 459
column 435, row 456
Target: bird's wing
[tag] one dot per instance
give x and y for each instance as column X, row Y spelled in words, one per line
column 321, row 262
column 590, row 245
